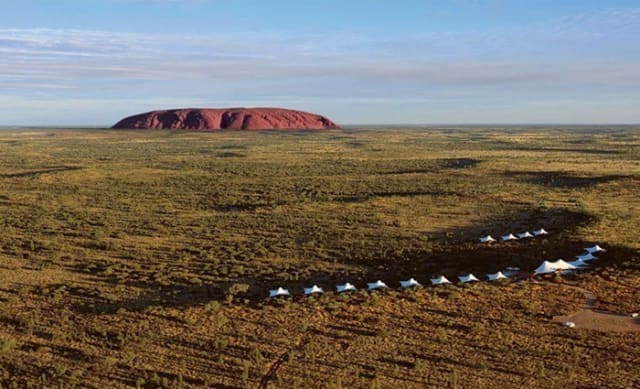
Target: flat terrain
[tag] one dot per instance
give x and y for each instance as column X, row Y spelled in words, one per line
column 145, row 258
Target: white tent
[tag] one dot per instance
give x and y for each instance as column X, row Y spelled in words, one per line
column 313, row 289
column 487, row 239
column 545, row 267
column 440, row 280
column 540, row 232
column 468, row 278
column 409, row 283
column 496, row 276
column 377, row 285
column 279, row 292
column 552, row 267
column 561, row 263
column 594, row 249
column 586, row 257
column 579, row 264
column 524, row 235
column 345, row 288
column 509, row 237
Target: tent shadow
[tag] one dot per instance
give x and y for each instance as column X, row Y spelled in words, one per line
column 563, row 180
column 442, row 256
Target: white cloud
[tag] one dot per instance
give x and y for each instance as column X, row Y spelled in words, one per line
column 579, row 57
column 76, row 56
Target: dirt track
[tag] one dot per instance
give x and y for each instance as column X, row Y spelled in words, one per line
column 599, row 321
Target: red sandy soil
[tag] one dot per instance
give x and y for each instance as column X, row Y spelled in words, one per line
column 205, row 119
column 600, row 321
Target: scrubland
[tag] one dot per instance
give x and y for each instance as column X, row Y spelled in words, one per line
column 143, row 259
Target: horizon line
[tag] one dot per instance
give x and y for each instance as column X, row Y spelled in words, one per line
column 480, row 124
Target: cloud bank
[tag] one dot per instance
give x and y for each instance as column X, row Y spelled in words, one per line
column 577, row 63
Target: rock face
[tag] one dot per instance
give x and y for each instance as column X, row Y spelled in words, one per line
column 205, row 119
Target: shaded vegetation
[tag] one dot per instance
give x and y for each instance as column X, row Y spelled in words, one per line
column 565, row 180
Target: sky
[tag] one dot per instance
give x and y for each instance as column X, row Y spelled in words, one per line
column 93, row 62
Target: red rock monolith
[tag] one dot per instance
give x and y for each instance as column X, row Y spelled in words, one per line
column 208, row 119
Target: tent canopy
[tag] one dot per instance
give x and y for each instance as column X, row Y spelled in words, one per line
column 377, row 285
column 313, row 289
column 539, row 232
column 409, row 283
column 552, row 267
column 496, row 276
column 524, row 235
column 279, row 292
column 487, row 239
column 345, row 287
column 440, row 280
column 579, row 263
column 594, row 249
column 509, row 237
column 586, row 257
column 468, row 278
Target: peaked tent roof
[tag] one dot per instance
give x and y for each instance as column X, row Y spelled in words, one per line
column 496, row 276
column 409, row 283
column 313, row 289
column 279, row 292
column 579, row 263
column 539, row 232
column 377, row 285
column 468, row 278
column 544, row 268
column 508, row 237
column 561, row 263
column 586, row 257
column 440, row 280
column 552, row 267
column 345, row 287
column 524, row 235
column 594, row 249
column 487, row 239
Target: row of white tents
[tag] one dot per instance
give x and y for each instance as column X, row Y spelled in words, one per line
column 410, row 283
column 546, row 267
column 560, row 265
column 510, row 236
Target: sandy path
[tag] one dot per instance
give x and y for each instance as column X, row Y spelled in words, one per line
column 600, row 321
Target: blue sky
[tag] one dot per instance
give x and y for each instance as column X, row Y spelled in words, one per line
column 72, row 62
